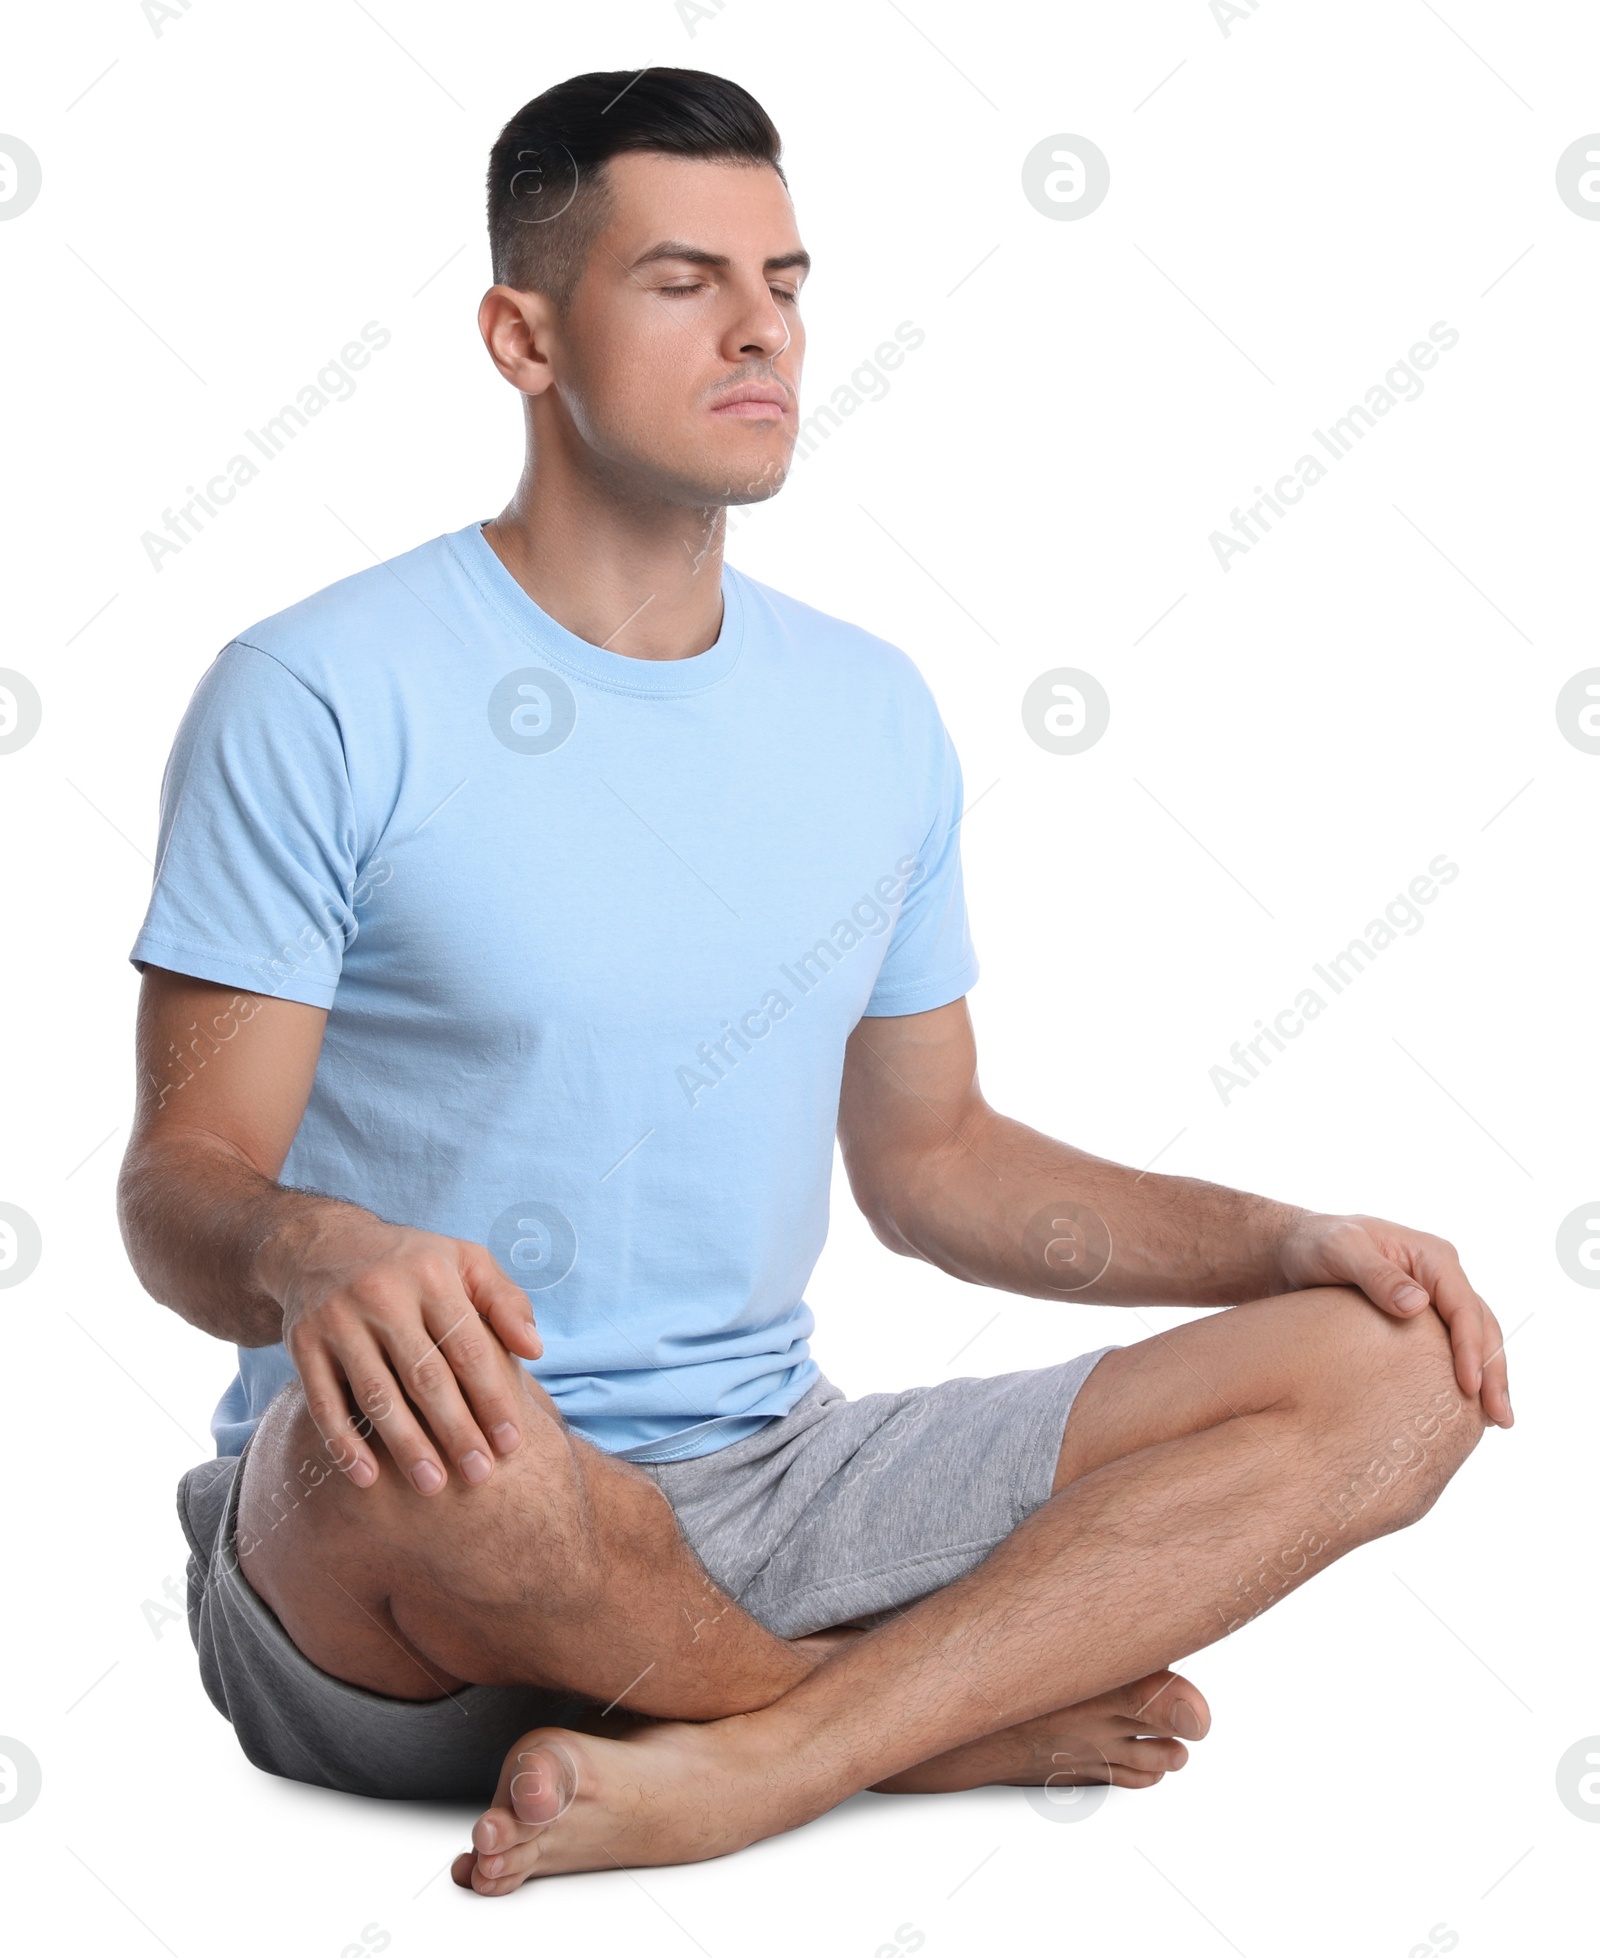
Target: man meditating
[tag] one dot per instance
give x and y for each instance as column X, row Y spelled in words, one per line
column 532, row 911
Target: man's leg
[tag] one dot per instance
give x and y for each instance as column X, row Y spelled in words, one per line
column 565, row 1569
column 1204, row 1474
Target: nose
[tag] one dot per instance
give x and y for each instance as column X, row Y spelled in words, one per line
column 761, row 332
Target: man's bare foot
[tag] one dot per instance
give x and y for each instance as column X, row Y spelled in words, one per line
column 672, row 1792
column 570, row 1801
column 1130, row 1737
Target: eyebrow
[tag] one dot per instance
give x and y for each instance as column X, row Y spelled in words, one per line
column 675, row 248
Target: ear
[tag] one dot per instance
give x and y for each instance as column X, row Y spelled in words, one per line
column 519, row 329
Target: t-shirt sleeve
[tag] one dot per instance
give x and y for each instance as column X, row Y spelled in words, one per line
column 257, row 858
column 930, row 960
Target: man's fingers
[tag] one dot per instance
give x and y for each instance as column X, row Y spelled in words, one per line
column 482, row 1367
column 376, row 1377
column 1388, row 1285
column 1480, row 1365
column 425, row 1339
column 1497, row 1390
column 1478, row 1344
column 1397, row 1291
column 1489, row 1357
column 1466, row 1344
column 428, row 1376
column 1354, row 1255
column 326, row 1404
column 502, row 1303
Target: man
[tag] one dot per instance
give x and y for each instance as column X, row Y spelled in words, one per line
column 532, row 910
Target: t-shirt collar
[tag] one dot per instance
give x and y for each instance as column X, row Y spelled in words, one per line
column 617, row 672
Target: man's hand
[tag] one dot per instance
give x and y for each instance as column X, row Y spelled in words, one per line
column 414, row 1332
column 1403, row 1272
column 404, row 1324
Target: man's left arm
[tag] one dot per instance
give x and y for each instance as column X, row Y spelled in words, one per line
column 940, row 1176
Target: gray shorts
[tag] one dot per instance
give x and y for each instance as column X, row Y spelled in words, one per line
column 838, row 1512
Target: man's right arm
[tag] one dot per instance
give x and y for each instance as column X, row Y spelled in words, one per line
column 388, row 1327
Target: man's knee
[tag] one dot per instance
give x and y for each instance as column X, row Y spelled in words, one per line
column 297, row 1508
column 1385, row 1408
column 396, row 1591
column 289, row 1484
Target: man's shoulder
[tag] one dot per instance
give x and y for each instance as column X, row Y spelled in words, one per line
column 365, row 619
column 807, row 632
column 837, row 654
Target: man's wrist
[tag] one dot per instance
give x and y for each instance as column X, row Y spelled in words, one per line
column 287, row 1232
column 1293, row 1247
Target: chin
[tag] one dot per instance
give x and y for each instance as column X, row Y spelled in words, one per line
column 757, row 489
column 757, row 473
column 719, row 485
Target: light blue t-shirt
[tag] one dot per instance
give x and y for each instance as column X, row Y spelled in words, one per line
column 592, row 932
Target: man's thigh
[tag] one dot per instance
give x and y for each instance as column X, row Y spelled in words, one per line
column 845, row 1511
column 410, row 1595
column 1329, row 1352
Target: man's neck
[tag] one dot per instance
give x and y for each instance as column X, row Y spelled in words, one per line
column 642, row 579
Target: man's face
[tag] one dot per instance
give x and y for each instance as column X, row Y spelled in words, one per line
column 678, row 359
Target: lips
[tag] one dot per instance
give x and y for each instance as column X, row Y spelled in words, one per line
column 754, row 403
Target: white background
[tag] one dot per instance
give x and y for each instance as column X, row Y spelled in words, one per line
column 1291, row 209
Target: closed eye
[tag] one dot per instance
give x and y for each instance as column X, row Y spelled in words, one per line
column 786, row 295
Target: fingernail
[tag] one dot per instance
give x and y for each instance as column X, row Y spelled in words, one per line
column 491, row 1865
column 476, row 1465
column 428, row 1476
column 505, row 1436
column 362, row 1473
column 1409, row 1297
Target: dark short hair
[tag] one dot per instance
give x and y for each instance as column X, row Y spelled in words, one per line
column 548, row 198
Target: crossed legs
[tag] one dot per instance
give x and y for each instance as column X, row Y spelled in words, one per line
column 1203, row 1473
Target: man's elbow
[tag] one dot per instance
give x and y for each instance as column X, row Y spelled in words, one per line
column 135, row 1192
column 890, row 1213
